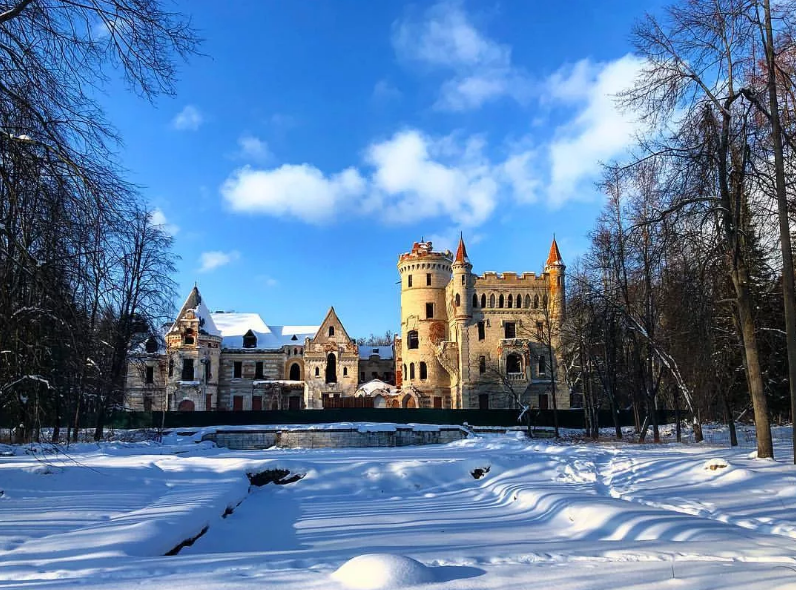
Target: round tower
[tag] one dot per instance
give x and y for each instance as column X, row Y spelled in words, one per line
column 425, row 275
column 556, row 271
column 463, row 283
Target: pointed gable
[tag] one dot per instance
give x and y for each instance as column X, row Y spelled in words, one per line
column 195, row 304
column 337, row 332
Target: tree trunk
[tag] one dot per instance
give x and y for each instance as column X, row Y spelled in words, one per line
column 730, row 422
column 788, row 293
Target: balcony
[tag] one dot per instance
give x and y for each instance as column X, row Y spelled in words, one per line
column 515, row 376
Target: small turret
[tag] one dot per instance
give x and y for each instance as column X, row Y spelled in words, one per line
column 462, row 283
column 556, row 270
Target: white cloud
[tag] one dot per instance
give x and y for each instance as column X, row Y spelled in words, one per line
column 599, row 132
column 253, row 148
column 212, row 260
column 300, row 191
column 188, row 119
column 482, row 70
column 157, row 217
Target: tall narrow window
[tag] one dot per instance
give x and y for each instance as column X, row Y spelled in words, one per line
column 207, row 370
column 475, row 300
column 481, row 331
column 171, row 367
column 187, row 369
column 429, row 311
column 295, row 372
column 542, row 365
column 412, row 340
column 331, row 368
column 544, row 301
column 317, row 372
column 518, row 301
column 482, row 364
column 411, row 371
column 510, row 302
column 509, row 330
column 492, row 300
column 405, row 373
column 237, row 370
column 345, row 371
column 458, row 300
column 500, row 301
column 331, row 330
column 409, row 281
column 150, row 374
column 428, row 279
column 483, row 300
column 464, row 279
column 528, row 301
column 423, row 370
column 258, row 370
column 536, row 302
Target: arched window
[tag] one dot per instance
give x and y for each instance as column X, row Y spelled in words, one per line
column 513, row 364
column 188, row 337
column 492, row 300
column 331, row 330
column 500, row 301
column 171, row 367
column 249, row 340
column 518, row 301
column 295, row 372
column 317, row 372
column 475, row 300
column 152, row 344
column 542, row 365
column 331, row 368
column 405, row 371
column 458, row 300
column 423, row 370
column 483, row 300
column 411, row 371
column 510, row 302
column 536, row 302
column 295, row 351
column 345, row 371
column 412, row 341
column 528, row 301
column 544, row 301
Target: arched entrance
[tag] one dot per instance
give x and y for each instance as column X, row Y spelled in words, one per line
column 409, row 402
column 331, row 369
column 185, row 405
column 295, row 372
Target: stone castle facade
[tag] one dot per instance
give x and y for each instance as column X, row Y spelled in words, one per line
column 466, row 341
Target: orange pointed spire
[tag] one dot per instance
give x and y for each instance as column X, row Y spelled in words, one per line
column 554, row 258
column 461, row 252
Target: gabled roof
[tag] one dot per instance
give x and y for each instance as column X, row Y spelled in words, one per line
column 554, row 258
column 331, row 319
column 195, row 303
column 233, row 326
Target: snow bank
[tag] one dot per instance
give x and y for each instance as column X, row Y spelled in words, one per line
column 383, row 570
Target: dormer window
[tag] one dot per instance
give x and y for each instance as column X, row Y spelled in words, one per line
column 249, row 340
column 188, row 337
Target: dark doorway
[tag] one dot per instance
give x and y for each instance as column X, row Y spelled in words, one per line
column 483, row 401
column 295, row 372
column 543, row 403
column 331, row 369
column 294, row 403
column 257, row 403
column 237, row 403
column 437, row 403
column 186, row 405
column 208, row 402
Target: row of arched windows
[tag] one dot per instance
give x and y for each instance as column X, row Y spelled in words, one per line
column 509, row 301
column 422, row 367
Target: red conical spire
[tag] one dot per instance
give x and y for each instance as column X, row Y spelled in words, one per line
column 554, row 258
column 461, row 252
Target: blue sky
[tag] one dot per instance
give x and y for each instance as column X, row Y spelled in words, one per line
column 315, row 141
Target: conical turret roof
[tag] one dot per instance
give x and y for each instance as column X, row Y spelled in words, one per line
column 461, row 251
column 554, row 258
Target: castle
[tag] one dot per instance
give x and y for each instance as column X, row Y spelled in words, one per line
column 466, row 341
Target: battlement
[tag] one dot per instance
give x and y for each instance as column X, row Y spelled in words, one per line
column 528, row 279
column 425, row 251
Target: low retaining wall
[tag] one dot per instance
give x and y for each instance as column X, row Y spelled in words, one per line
column 333, row 438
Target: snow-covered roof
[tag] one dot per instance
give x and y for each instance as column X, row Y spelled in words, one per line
column 384, row 352
column 195, row 303
column 374, row 387
column 233, row 326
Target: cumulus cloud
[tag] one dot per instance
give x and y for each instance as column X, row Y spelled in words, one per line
column 598, row 132
column 481, row 69
column 188, row 119
column 253, row 149
column 215, row 259
column 157, row 217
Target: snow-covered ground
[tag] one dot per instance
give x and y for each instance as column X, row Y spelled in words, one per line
column 491, row 512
